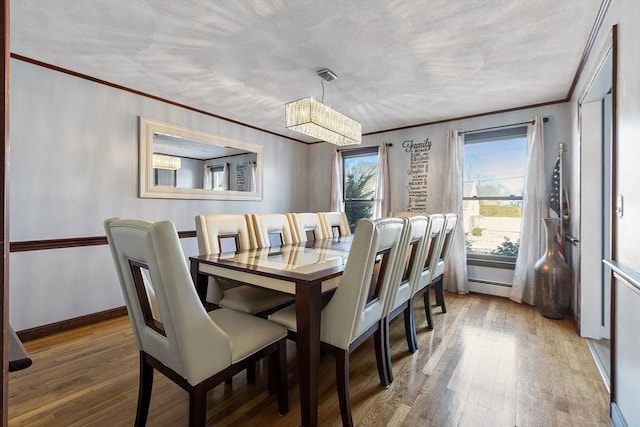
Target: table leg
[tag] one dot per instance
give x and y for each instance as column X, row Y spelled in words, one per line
column 200, row 281
column 308, row 310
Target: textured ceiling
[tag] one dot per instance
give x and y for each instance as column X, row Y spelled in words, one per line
column 399, row 63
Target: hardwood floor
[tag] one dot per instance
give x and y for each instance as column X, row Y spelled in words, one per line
column 489, row 362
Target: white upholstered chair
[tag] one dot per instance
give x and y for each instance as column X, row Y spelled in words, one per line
column 401, row 298
column 272, row 230
column 195, row 349
column 443, row 253
column 432, row 255
column 307, row 226
column 355, row 310
column 335, row 224
column 230, row 233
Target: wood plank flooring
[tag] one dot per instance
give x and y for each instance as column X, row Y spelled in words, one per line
column 489, row 362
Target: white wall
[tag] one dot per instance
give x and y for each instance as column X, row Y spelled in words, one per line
column 626, row 14
column 74, row 163
column 557, row 130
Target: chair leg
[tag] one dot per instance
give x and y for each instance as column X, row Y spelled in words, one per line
column 280, row 374
column 144, row 391
column 427, row 309
column 251, row 372
column 342, row 380
column 439, row 291
column 410, row 327
column 272, row 374
column 383, row 353
column 198, row 406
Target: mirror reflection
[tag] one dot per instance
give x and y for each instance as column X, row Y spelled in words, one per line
column 186, row 163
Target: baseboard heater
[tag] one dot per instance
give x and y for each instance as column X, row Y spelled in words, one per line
column 490, row 287
column 488, row 282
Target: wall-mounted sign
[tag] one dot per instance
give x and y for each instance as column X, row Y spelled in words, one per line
column 240, row 176
column 418, row 187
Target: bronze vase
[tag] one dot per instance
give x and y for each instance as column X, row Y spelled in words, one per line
column 552, row 276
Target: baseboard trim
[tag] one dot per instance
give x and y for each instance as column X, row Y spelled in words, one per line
column 616, row 416
column 599, row 363
column 66, row 325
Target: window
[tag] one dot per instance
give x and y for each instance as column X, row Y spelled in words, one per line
column 493, row 188
column 359, row 169
column 219, row 178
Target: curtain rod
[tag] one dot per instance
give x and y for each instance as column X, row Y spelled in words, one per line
column 388, row 144
column 544, row 120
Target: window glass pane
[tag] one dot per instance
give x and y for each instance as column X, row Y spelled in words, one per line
column 493, row 169
column 492, row 227
column 218, row 178
column 356, row 211
column 359, row 174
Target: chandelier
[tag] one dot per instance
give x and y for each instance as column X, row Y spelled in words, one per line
column 162, row 161
column 315, row 119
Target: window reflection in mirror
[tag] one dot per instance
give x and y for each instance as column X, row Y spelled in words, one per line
column 178, row 162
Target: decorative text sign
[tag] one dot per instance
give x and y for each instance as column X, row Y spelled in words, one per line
column 418, row 172
column 240, row 179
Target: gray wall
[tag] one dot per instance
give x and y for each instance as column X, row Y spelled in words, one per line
column 74, row 162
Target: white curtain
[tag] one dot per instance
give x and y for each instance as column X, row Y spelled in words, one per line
column 381, row 197
column 225, row 176
column 251, row 178
column 455, row 275
column 336, row 182
column 534, row 208
column 207, row 180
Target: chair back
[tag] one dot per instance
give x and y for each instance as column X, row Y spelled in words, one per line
column 444, row 250
column 272, row 230
column 182, row 335
column 417, row 234
column 307, row 226
column 406, row 214
column 431, row 252
column 335, row 224
column 359, row 301
column 222, row 233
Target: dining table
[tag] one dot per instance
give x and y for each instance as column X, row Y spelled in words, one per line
column 305, row 270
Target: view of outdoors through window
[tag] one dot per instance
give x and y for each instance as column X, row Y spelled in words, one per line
column 492, row 195
column 359, row 174
column 218, row 178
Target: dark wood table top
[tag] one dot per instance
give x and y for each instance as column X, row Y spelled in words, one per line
column 304, row 262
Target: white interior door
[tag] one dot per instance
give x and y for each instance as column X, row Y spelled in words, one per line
column 595, row 205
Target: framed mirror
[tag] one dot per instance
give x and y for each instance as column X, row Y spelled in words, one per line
column 181, row 163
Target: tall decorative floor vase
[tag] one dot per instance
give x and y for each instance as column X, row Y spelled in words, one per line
column 552, row 276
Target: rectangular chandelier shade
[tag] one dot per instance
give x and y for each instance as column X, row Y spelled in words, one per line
column 317, row 120
column 162, row 161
